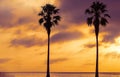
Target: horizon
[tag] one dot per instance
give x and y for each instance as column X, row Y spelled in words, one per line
column 66, row 72
column 23, row 42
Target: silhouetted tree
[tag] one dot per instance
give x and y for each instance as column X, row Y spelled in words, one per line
column 97, row 16
column 49, row 17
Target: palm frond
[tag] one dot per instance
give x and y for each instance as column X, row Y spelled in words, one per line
column 103, row 6
column 89, row 21
column 50, row 8
column 104, row 21
column 44, row 8
column 41, row 21
column 41, row 13
column 55, row 22
column 103, row 10
column 56, row 11
column 93, row 5
column 107, row 15
column 57, row 18
column 88, row 11
column 45, row 25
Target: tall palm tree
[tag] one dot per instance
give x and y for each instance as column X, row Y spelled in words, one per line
column 97, row 16
column 49, row 17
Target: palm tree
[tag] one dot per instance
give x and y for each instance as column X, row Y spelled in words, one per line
column 97, row 15
column 49, row 17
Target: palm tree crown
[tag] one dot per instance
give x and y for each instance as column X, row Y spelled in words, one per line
column 49, row 16
column 97, row 15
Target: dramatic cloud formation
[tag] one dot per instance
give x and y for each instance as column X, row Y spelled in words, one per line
column 77, row 15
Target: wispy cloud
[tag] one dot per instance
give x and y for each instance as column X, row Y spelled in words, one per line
column 89, row 64
column 4, row 60
column 65, row 36
column 27, row 42
column 90, row 45
column 112, row 55
column 52, row 61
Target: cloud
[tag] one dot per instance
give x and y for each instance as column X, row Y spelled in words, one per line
column 4, row 60
column 52, row 61
column 27, row 42
column 113, row 10
column 74, row 10
column 6, row 17
column 24, row 20
column 42, row 53
column 9, row 20
column 11, row 17
column 90, row 45
column 65, row 36
column 112, row 55
column 88, row 64
column 34, row 41
column 113, row 32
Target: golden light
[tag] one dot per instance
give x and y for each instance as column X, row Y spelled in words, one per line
column 117, row 40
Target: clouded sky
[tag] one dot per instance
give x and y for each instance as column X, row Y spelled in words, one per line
column 23, row 42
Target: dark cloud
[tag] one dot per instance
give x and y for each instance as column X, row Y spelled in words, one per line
column 34, row 41
column 73, row 11
column 24, row 20
column 113, row 8
column 61, row 28
column 90, row 45
column 4, row 60
column 113, row 32
column 6, row 17
column 113, row 27
column 65, row 36
column 42, row 53
column 112, row 55
column 18, row 32
column 27, row 42
column 52, row 61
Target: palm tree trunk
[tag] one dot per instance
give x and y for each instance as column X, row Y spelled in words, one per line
column 48, row 57
column 97, row 56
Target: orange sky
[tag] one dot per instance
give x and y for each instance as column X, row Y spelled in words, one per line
column 23, row 42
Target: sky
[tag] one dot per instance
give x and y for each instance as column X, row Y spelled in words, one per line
column 23, row 42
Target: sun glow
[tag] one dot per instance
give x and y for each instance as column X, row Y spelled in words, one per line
column 35, row 3
column 117, row 40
